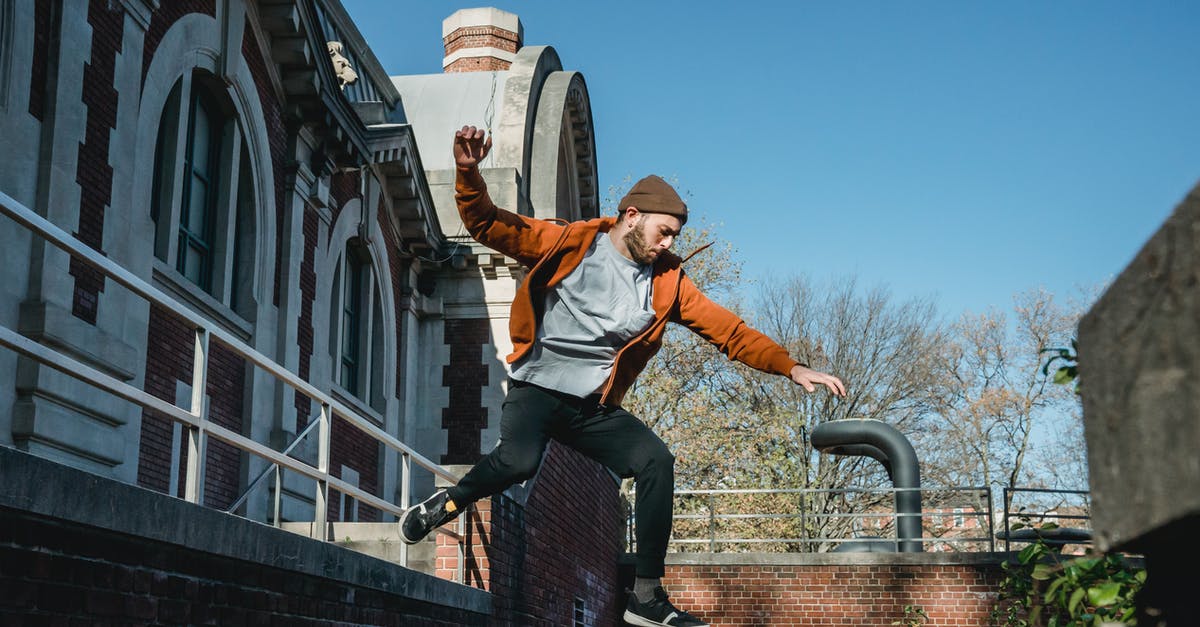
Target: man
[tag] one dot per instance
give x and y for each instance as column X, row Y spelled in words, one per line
column 588, row 317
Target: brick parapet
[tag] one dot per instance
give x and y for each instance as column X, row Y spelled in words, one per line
column 80, row 549
column 833, row 589
column 562, row 544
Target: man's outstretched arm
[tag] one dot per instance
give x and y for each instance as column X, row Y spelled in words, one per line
column 737, row 340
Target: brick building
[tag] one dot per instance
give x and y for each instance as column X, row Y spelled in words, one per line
column 256, row 163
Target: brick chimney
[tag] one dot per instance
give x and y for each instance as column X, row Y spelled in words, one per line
column 480, row 40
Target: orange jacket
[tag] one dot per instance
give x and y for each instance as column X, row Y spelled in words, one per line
column 552, row 250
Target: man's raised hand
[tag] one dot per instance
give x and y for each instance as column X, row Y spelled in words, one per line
column 470, row 147
column 810, row 379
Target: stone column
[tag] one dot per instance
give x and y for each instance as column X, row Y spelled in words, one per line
column 1139, row 353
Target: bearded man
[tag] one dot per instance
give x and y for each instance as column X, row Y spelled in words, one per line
column 590, row 314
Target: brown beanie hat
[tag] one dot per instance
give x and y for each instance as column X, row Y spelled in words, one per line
column 654, row 195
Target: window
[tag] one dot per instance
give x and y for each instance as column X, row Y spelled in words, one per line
column 194, row 260
column 357, row 325
column 202, row 201
column 352, row 323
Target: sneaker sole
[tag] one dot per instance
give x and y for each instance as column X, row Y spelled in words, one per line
column 404, row 537
column 640, row 621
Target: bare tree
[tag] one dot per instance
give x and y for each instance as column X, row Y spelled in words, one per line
column 1003, row 422
column 734, row 427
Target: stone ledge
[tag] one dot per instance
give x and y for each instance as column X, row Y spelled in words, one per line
column 834, row 559
column 48, row 489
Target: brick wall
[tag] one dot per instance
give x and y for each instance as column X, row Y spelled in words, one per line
column 162, row 20
column 304, row 323
column 77, row 549
column 478, row 64
column 93, row 173
column 480, row 37
column 169, row 350
column 397, row 268
column 277, row 136
column 955, row 591
column 465, row 376
column 39, row 72
column 343, row 187
column 563, row 544
column 354, row 449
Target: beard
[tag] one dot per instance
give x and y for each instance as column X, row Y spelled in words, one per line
column 635, row 240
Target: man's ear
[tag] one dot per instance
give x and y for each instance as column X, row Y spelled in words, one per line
column 631, row 212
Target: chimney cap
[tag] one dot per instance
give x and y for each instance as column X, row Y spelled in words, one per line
column 483, row 16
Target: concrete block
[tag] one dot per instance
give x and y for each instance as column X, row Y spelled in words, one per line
column 1139, row 355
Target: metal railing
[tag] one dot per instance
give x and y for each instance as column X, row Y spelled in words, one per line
column 799, row 520
column 706, row 520
column 1036, row 510
column 199, row 428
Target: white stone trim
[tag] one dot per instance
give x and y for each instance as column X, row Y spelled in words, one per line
column 480, row 52
column 483, row 18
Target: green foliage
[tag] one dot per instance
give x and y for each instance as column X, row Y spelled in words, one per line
column 914, row 616
column 1046, row 589
column 1070, row 370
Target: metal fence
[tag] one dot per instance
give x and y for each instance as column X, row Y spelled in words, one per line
column 199, row 429
column 1030, row 508
column 953, row 519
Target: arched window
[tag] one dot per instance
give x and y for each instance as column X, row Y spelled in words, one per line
column 202, row 201
column 356, row 323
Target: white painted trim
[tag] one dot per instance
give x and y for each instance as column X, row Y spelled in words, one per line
column 483, row 18
column 475, row 53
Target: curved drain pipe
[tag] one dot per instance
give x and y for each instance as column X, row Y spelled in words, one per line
column 882, row 442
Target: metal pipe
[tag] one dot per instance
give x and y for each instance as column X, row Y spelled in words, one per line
column 871, row 437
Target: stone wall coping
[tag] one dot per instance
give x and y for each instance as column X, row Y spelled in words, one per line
column 46, row 488
column 836, row 559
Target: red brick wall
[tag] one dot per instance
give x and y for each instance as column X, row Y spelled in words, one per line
column 953, row 595
column 465, row 377
column 39, row 72
column 564, row 543
column 93, row 173
column 304, row 324
column 169, row 351
column 343, row 187
column 277, row 136
column 168, row 359
column 478, row 64
column 480, row 37
column 162, row 19
column 397, row 269
column 351, row 447
column 56, row 573
column 225, row 388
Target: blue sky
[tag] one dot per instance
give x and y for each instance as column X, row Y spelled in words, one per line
column 964, row 150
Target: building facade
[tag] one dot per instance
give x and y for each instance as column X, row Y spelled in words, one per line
column 256, row 163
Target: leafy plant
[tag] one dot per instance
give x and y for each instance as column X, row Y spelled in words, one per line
column 914, row 616
column 1067, row 372
column 1046, row 589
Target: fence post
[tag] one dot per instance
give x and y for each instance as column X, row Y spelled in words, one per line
column 405, row 498
column 193, row 485
column 278, row 494
column 712, row 525
column 322, row 499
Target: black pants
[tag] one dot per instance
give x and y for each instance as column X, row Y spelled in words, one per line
column 610, row 435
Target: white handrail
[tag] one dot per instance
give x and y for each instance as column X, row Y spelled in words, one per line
column 39, row 225
column 198, row 427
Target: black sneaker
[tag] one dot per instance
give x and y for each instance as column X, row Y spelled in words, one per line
column 422, row 518
column 658, row 611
